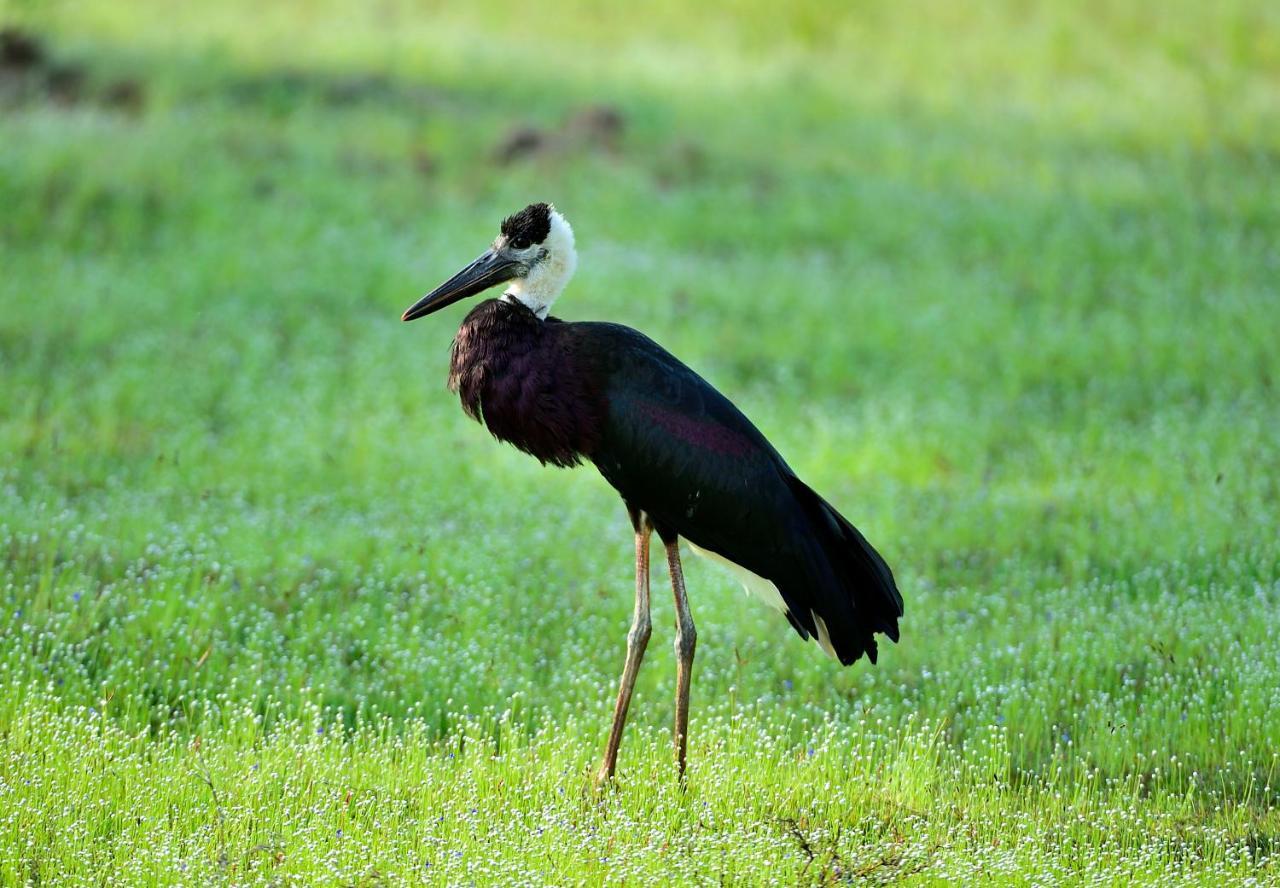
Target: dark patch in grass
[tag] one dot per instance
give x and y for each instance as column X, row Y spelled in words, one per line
column 521, row 143
column 19, row 50
column 285, row 91
column 424, row 162
column 29, row 74
column 595, row 128
column 125, row 95
column 684, row 163
column 601, row 126
column 65, row 83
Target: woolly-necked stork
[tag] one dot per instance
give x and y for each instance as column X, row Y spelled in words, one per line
column 687, row 462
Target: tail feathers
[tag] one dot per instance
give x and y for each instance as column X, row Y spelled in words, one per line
column 867, row 599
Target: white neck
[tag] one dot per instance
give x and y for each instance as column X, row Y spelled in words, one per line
column 547, row 277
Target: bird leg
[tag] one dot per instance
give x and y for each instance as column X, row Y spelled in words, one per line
column 637, row 638
column 686, row 641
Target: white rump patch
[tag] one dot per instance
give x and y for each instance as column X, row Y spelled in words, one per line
column 765, row 590
column 824, row 637
column 756, row 585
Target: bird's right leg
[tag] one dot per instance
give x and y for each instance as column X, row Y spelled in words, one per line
column 686, row 642
column 637, row 638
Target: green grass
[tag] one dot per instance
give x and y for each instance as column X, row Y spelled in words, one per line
column 1001, row 284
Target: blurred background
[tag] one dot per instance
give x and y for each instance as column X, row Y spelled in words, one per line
column 999, row 280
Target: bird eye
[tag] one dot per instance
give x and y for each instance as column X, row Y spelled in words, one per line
column 521, row 242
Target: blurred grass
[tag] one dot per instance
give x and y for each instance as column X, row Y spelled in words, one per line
column 1000, row 282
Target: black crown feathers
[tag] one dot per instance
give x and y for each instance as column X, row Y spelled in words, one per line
column 532, row 224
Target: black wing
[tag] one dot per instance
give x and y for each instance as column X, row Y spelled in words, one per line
column 679, row 450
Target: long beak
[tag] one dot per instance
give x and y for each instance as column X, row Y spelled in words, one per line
column 487, row 271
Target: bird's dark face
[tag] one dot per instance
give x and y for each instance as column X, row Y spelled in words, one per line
column 531, row 243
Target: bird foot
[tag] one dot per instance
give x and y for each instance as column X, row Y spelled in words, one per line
column 601, row 783
column 604, row 777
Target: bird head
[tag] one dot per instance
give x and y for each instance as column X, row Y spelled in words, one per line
column 533, row 253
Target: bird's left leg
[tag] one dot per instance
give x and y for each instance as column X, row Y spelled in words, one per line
column 686, row 641
column 637, row 639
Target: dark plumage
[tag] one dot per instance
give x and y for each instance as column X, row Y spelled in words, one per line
column 677, row 450
column 520, row 376
column 687, row 462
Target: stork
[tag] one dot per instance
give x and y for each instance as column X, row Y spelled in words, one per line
column 688, row 464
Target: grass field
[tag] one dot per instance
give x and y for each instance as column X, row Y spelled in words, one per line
column 1002, row 283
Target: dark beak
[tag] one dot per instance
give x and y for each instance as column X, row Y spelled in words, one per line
column 487, row 271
